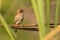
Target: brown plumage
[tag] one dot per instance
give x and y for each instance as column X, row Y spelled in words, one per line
column 19, row 17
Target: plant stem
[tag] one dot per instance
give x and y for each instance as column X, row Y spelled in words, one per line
column 56, row 13
column 8, row 29
column 48, row 15
column 39, row 12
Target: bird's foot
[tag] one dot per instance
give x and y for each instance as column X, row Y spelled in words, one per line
column 15, row 30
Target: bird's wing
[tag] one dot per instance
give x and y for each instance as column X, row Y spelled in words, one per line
column 22, row 18
column 17, row 19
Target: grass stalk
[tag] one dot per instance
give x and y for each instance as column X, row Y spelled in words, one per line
column 39, row 12
column 8, row 29
column 48, row 15
column 56, row 13
column 0, row 3
column 56, row 16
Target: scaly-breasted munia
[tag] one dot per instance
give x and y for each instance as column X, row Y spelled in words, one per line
column 19, row 17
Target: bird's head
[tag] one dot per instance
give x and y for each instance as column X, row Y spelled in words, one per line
column 20, row 11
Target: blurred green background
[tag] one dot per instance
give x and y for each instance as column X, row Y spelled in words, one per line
column 8, row 10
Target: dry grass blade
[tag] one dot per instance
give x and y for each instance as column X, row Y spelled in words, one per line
column 52, row 33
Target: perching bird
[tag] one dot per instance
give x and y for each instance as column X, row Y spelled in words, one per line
column 19, row 17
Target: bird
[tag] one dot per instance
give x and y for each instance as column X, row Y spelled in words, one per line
column 18, row 17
